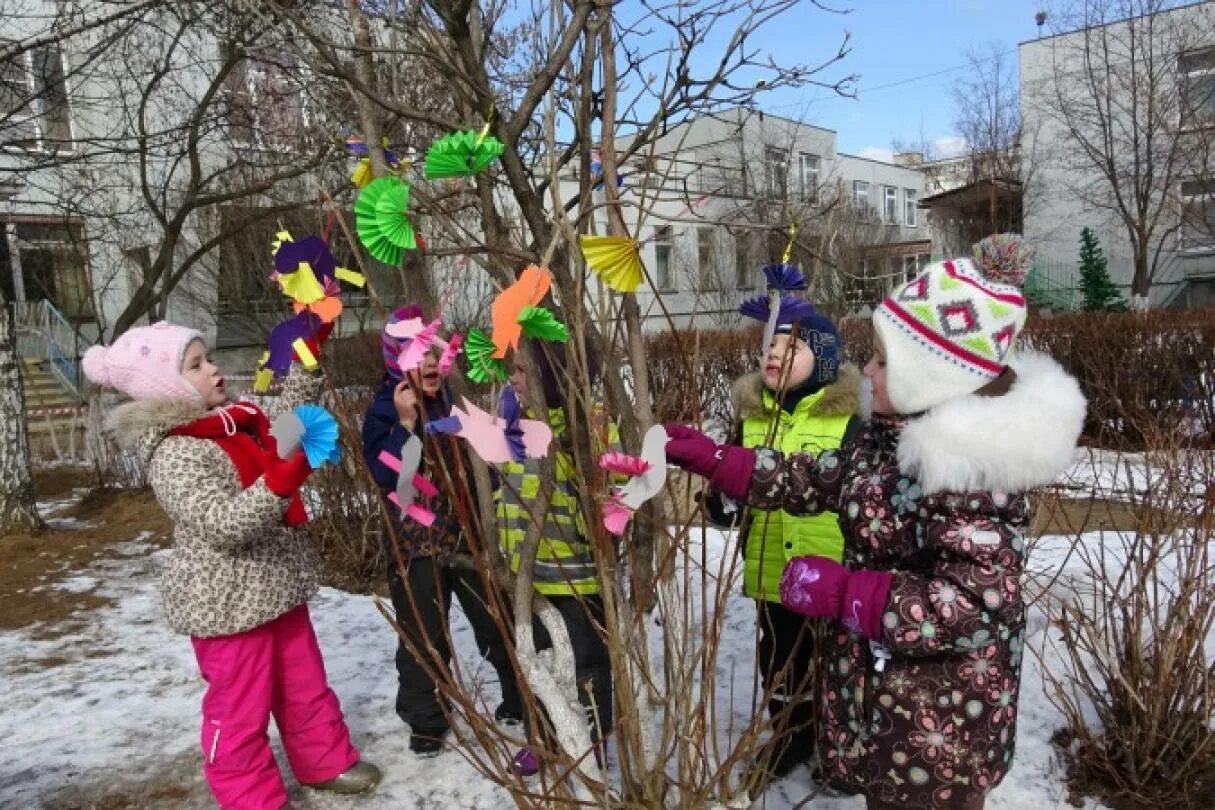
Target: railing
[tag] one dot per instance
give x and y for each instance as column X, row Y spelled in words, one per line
column 42, row 331
column 1055, row 285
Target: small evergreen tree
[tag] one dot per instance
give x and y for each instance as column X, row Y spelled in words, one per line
column 1100, row 294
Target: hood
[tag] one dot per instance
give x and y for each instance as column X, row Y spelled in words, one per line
column 840, row 398
column 139, row 425
column 1021, row 440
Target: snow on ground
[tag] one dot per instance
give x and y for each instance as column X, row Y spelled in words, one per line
column 111, row 707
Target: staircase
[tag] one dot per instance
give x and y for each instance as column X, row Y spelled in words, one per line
column 49, row 405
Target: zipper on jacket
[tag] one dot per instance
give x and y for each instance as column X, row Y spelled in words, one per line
column 876, row 656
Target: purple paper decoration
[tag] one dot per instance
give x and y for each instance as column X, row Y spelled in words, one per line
column 784, row 277
column 791, row 309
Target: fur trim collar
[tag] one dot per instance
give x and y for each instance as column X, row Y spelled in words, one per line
column 139, row 425
column 1021, row 440
column 840, row 398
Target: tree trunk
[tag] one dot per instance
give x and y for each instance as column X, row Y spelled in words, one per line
column 1141, row 282
column 17, row 505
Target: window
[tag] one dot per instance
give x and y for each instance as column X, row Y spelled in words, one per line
column 910, row 198
column 913, row 264
column 1198, row 215
column 860, row 196
column 1196, row 77
column 776, row 173
column 51, row 264
column 809, row 165
column 706, row 257
column 890, row 205
column 742, row 260
column 34, row 108
column 264, row 107
column 662, row 258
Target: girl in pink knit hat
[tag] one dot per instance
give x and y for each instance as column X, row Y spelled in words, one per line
column 242, row 567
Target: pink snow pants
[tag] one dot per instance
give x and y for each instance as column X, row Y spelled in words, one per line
column 275, row 668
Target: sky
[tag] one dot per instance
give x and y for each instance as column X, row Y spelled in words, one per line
column 907, row 55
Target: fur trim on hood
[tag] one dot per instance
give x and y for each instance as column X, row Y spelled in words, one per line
column 1014, row 442
column 139, row 425
column 841, row 398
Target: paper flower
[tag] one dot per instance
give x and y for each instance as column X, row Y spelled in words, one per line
column 791, row 309
column 488, row 436
column 784, row 277
column 623, row 463
column 539, row 323
column 527, row 291
column 616, row 516
column 381, row 221
column 320, row 439
column 461, row 154
column 482, row 365
column 615, row 259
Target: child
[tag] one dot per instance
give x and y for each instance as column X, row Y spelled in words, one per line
column 921, row 695
column 422, row 591
column 242, row 567
column 818, row 401
column 564, row 570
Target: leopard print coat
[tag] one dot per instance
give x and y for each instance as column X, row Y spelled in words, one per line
column 235, row 564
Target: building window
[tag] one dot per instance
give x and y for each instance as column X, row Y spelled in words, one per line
column 264, row 107
column 776, row 173
column 1196, row 76
column 913, row 264
column 809, row 165
column 890, row 205
column 48, row 261
column 1198, row 215
column 34, row 108
column 743, row 268
column 860, row 197
column 706, row 257
column 910, row 198
column 662, row 257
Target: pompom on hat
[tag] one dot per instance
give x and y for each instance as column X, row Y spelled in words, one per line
column 144, row 363
column 951, row 329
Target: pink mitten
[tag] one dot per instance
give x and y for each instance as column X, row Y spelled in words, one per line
column 823, row 589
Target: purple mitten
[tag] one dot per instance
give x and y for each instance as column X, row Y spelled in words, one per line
column 814, row 586
column 732, row 477
column 728, row 468
column 865, row 601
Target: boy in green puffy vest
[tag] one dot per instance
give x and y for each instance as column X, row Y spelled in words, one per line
column 800, row 401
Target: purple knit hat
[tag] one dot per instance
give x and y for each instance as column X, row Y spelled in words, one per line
column 392, row 346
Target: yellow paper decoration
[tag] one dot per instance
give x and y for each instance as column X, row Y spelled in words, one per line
column 279, row 238
column 302, row 285
column 350, row 276
column 304, row 353
column 362, row 173
column 615, row 259
column 261, row 380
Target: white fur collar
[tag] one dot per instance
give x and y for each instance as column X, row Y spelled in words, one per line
column 1021, row 440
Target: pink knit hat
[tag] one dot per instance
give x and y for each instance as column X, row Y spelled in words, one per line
column 144, row 363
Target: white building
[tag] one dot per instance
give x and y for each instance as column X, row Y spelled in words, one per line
column 1159, row 151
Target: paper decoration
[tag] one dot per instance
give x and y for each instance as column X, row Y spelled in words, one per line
column 381, row 221
column 287, row 337
column 774, row 310
column 447, row 360
column 487, row 434
column 311, row 428
column 784, row 277
column 409, row 483
column 461, row 154
column 363, row 173
column 302, row 285
column 624, row 464
column 420, row 338
column 527, row 291
column 482, row 365
column 619, row 509
column 539, row 323
column 446, row 424
column 615, row 259
column 327, row 309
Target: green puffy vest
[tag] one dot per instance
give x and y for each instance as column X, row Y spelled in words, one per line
column 774, row 537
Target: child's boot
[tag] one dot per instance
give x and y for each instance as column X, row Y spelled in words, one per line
column 360, row 778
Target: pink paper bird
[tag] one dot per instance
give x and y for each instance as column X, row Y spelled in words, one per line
column 623, row 463
column 486, row 434
column 616, row 516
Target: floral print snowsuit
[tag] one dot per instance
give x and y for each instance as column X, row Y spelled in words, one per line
column 924, row 717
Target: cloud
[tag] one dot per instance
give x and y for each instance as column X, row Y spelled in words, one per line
column 877, row 153
column 949, row 146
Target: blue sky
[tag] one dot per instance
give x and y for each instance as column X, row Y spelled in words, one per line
column 907, row 54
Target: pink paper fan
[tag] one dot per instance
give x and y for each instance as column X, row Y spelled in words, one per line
column 415, row 350
column 623, row 463
column 616, row 516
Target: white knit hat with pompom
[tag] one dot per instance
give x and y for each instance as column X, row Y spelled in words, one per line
column 950, row 330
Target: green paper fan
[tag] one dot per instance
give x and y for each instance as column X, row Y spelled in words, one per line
column 482, row 367
column 382, row 232
column 461, row 154
column 539, row 323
